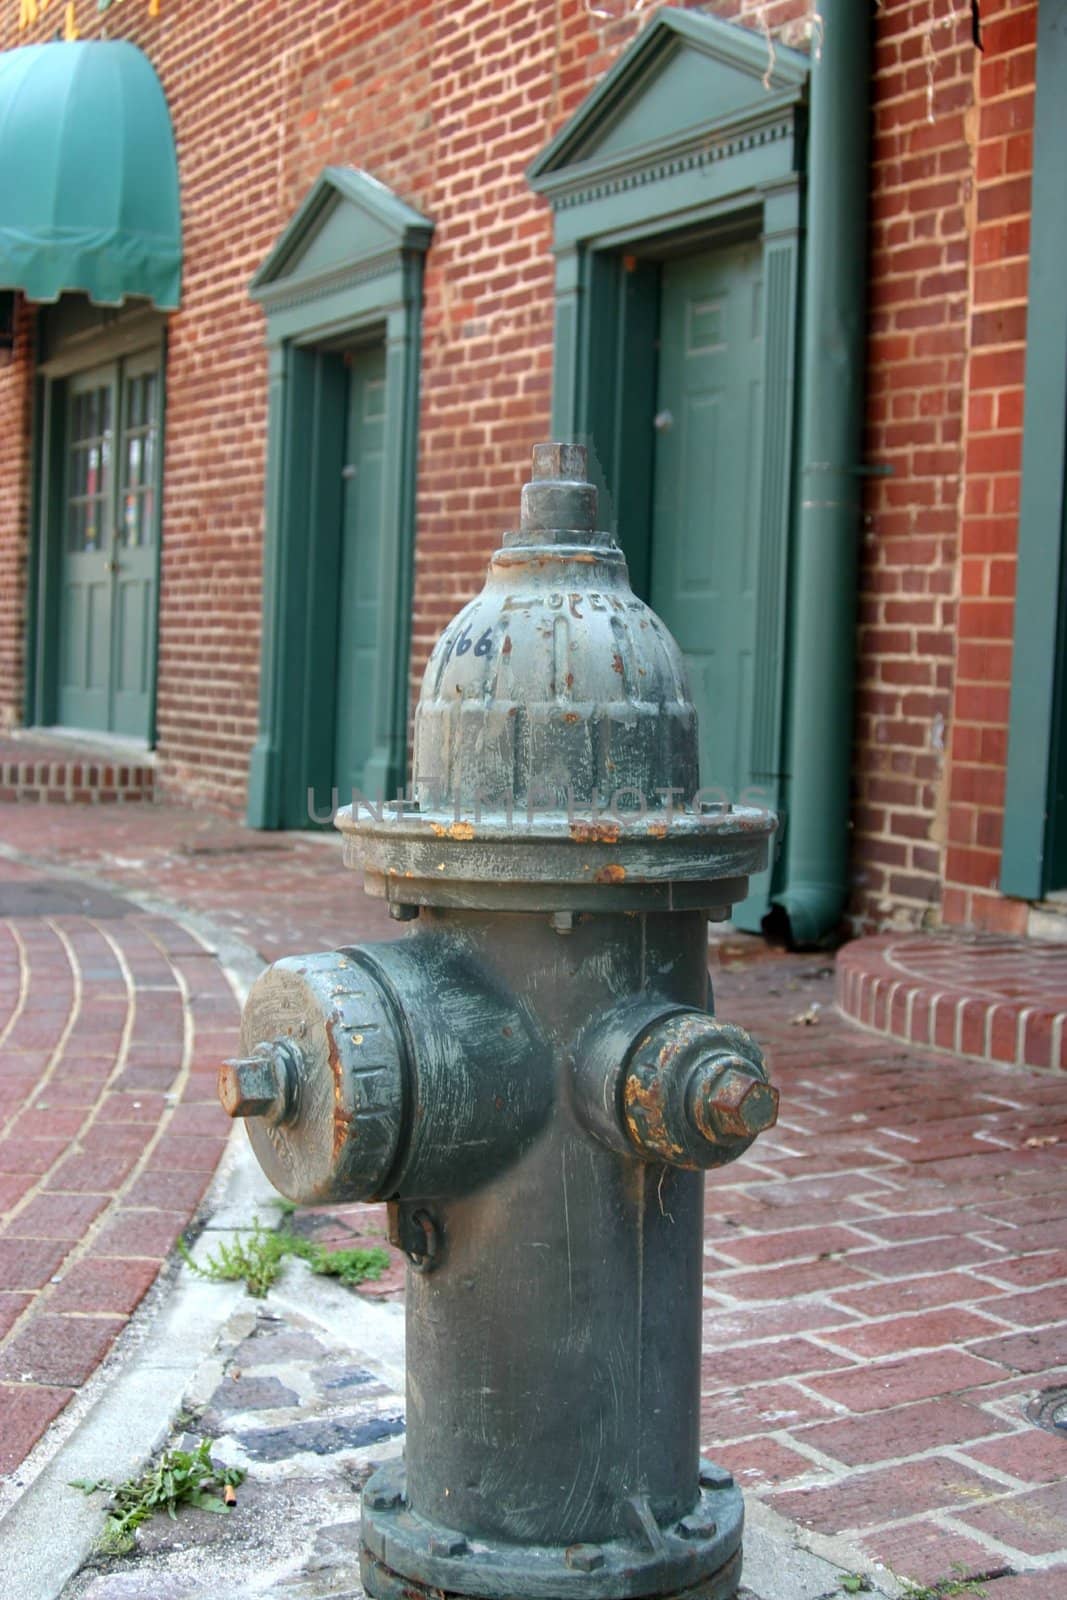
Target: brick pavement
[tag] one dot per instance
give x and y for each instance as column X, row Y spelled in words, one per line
column 886, row 1290
column 111, row 1026
column 278, row 892
column 886, row 1274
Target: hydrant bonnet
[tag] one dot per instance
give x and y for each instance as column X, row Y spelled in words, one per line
column 556, row 758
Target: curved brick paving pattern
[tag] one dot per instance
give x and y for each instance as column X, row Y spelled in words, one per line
column 994, row 999
column 113, row 1024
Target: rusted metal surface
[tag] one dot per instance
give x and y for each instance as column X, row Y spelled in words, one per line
column 533, row 1081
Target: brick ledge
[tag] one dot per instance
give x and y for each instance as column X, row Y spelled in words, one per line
column 991, row 999
column 60, row 772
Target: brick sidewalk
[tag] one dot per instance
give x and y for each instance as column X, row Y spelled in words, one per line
column 886, row 1283
column 885, row 1293
column 111, row 1026
column 278, row 892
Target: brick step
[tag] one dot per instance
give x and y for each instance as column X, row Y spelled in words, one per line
column 990, row 999
column 64, row 772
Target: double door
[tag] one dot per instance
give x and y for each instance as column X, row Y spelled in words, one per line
column 110, row 548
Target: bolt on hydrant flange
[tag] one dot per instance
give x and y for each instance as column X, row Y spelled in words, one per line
column 532, row 1079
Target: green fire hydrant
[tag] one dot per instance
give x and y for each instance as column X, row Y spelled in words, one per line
column 533, row 1082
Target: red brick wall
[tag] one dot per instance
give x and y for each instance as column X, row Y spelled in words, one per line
column 448, row 104
column 989, row 526
column 921, row 197
column 949, row 237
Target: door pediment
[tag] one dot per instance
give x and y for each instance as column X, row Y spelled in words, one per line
column 350, row 226
column 686, row 77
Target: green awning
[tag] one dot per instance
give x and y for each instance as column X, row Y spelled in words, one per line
column 88, row 175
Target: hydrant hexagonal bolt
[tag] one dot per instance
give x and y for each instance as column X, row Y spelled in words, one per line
column 730, row 1102
column 264, row 1084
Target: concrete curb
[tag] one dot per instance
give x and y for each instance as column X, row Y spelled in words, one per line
column 50, row 1530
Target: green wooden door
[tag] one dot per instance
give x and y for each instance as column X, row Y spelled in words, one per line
column 109, row 548
column 363, row 480
column 705, row 510
column 84, row 657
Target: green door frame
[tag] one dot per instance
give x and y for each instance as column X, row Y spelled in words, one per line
column 347, row 268
column 691, row 173
column 1034, row 858
column 74, row 335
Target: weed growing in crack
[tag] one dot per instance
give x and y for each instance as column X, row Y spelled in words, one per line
column 258, row 1258
column 179, row 1477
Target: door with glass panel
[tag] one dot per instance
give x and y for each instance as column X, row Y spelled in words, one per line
column 110, row 548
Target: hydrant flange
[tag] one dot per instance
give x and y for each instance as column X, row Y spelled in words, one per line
column 651, row 1560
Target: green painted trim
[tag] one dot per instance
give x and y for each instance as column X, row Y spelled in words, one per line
column 76, row 334
column 340, row 309
column 664, row 195
column 615, row 387
column 33, row 555
column 669, row 30
column 71, row 337
column 782, row 232
column 814, row 869
column 48, row 534
column 370, row 286
column 318, row 389
column 153, row 630
column 47, row 499
column 567, row 323
column 386, row 769
column 405, row 228
column 781, row 288
column 264, row 774
column 1033, row 862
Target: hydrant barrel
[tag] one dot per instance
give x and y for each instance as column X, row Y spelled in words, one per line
column 555, row 1360
column 533, row 1079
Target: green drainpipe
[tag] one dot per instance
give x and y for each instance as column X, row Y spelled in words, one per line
column 823, row 614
